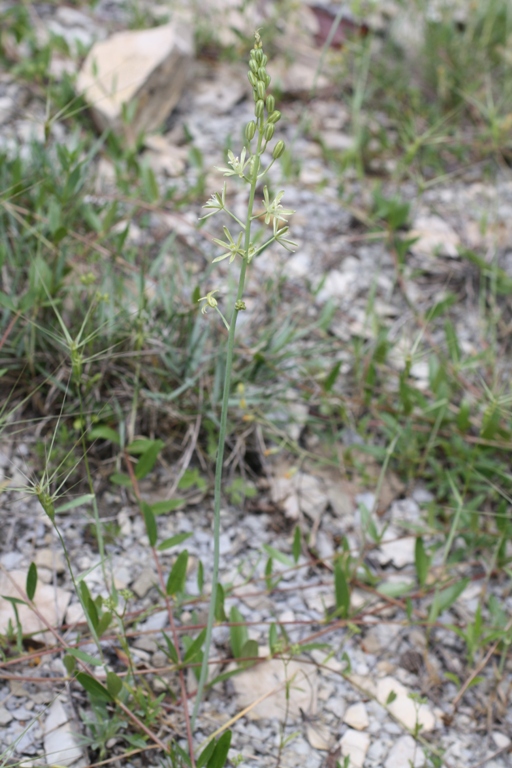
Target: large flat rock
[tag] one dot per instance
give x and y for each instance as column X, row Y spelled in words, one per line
column 139, row 74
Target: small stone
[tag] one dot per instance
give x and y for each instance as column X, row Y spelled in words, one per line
column 271, row 675
column 22, row 714
column 5, row 716
column 51, row 559
column 395, row 697
column 51, row 603
column 434, row 237
column 75, row 614
column 160, row 660
column 354, row 745
column 155, row 622
column 357, row 717
column 501, row 741
column 145, row 643
column 144, row 582
column 396, row 550
column 61, row 738
column 122, row 577
column 319, row 736
column 405, row 753
column 143, row 71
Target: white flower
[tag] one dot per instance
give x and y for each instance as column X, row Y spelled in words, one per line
column 238, row 165
column 274, row 209
column 233, row 248
column 217, row 202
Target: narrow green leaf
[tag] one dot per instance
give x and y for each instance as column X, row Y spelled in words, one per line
column 88, row 604
column 70, row 664
column 177, row 576
column 331, row 377
column 31, row 583
column 220, row 613
column 249, row 653
column 342, row 591
column 205, row 754
column 114, row 684
column 171, row 649
column 297, row 544
column 177, row 754
column 85, row 657
column 200, row 577
column 395, row 588
column 102, row 432
column 220, row 753
column 173, row 541
column 168, row 505
column 448, row 596
column 272, row 637
column 421, row 560
column 93, row 687
column 269, row 565
column 86, row 498
column 103, row 623
column 141, row 445
column 238, row 634
column 274, row 553
column 193, row 649
column 150, row 521
column 14, row 600
column 148, row 459
column 118, row 478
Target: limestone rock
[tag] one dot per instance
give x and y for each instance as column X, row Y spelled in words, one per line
column 434, row 237
column 354, row 745
column 405, row 753
column 268, row 680
column 141, row 71
column 51, row 603
column 61, row 738
column 395, row 696
column 357, row 717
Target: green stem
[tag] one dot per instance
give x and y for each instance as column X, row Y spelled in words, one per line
column 222, row 434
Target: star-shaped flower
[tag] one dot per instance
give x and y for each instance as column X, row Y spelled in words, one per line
column 232, row 248
column 274, row 209
column 217, row 202
column 238, row 166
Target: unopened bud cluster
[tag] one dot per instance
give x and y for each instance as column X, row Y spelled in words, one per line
column 248, row 167
column 260, row 80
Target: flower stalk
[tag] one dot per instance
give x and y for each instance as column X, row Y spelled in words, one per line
column 248, row 169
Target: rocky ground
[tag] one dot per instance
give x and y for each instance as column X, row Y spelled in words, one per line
column 384, row 690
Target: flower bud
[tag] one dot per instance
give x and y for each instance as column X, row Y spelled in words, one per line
column 261, row 74
column 278, row 149
column 252, row 79
column 250, row 130
column 258, row 55
column 269, row 131
column 253, row 66
column 267, row 80
column 260, row 89
column 258, row 109
column 275, row 116
column 271, row 104
column 264, row 60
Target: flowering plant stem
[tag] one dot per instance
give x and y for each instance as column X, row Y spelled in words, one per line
column 222, row 437
column 249, row 170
